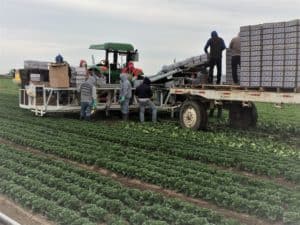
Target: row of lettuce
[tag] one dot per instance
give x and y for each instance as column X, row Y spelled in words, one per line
column 262, row 156
column 72, row 196
column 261, row 198
column 171, row 158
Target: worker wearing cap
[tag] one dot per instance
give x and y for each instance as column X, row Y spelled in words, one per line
column 235, row 47
column 144, row 94
column 132, row 71
column 88, row 97
column 216, row 46
column 125, row 95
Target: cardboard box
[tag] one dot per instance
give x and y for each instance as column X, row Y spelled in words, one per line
column 255, row 83
column 290, row 63
column 267, row 73
column 278, row 63
column 290, row 57
column 33, row 64
column 288, row 84
column 59, row 75
column 267, row 63
column 266, row 83
column 291, row 35
column 277, row 79
column 267, row 42
column 35, row 77
column 279, row 36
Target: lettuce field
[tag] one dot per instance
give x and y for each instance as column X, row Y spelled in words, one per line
column 73, row 172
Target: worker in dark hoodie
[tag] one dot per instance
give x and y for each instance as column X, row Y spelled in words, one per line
column 144, row 94
column 216, row 46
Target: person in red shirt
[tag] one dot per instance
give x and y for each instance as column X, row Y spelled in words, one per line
column 132, row 71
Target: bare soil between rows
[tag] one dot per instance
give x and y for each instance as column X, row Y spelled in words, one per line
column 20, row 215
column 138, row 184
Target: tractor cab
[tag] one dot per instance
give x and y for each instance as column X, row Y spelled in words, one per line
column 117, row 55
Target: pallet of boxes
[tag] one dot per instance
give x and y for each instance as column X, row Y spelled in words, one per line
column 78, row 76
column 270, row 55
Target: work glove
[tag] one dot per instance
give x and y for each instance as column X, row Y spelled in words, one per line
column 94, row 104
column 122, row 99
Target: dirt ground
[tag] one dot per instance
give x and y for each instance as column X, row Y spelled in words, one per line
column 20, row 215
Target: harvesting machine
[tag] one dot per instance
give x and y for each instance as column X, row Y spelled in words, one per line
column 179, row 87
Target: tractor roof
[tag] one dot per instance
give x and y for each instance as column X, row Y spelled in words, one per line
column 110, row 46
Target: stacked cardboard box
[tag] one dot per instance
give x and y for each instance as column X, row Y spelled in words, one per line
column 59, row 75
column 270, row 55
column 33, row 64
column 229, row 79
column 78, row 75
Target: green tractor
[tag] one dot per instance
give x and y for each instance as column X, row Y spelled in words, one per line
column 117, row 56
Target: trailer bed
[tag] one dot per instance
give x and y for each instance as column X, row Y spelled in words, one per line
column 238, row 93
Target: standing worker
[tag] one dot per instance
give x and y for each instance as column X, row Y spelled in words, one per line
column 125, row 95
column 144, row 94
column 216, row 45
column 88, row 98
column 235, row 47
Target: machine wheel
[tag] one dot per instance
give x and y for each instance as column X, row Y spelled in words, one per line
column 193, row 115
column 242, row 117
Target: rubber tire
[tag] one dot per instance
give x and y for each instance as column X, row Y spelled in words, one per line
column 242, row 117
column 201, row 115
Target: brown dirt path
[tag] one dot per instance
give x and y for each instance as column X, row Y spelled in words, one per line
column 21, row 215
column 138, row 184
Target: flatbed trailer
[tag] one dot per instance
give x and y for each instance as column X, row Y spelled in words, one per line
column 192, row 102
column 240, row 101
column 43, row 100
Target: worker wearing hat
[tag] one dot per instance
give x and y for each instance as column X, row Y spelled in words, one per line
column 132, row 72
column 216, row 46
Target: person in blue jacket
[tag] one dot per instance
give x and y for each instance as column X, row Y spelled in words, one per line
column 216, row 46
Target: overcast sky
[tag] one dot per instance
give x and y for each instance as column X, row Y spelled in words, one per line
column 161, row 30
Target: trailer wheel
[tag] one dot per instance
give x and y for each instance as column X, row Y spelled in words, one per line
column 242, row 117
column 193, row 115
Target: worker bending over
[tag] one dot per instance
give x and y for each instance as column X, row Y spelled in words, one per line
column 144, row 94
column 88, row 97
column 216, row 46
column 125, row 95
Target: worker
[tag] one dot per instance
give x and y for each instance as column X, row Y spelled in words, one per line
column 125, row 95
column 144, row 94
column 59, row 59
column 83, row 63
column 132, row 72
column 216, row 45
column 235, row 47
column 88, row 98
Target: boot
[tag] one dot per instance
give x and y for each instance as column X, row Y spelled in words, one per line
column 219, row 113
column 125, row 117
column 211, row 112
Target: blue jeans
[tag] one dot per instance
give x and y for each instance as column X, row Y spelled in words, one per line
column 85, row 111
column 150, row 104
